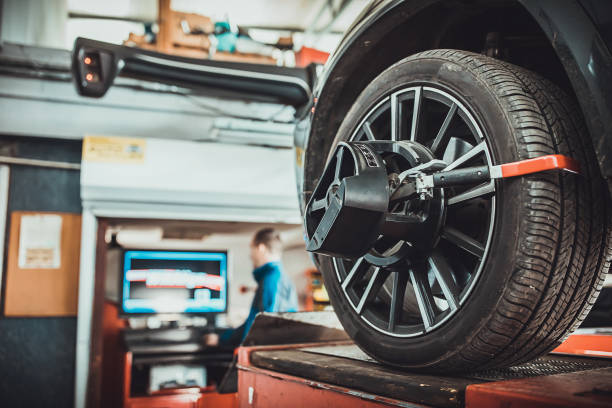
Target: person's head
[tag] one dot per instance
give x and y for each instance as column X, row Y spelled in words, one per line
column 266, row 246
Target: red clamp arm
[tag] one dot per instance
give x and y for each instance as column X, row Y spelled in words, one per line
column 530, row 166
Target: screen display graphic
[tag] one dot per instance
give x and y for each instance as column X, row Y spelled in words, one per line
column 174, row 282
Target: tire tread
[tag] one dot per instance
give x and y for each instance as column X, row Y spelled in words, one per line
column 564, row 244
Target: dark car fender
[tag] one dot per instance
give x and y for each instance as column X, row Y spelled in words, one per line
column 588, row 64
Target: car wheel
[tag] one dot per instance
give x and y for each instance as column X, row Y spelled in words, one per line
column 512, row 266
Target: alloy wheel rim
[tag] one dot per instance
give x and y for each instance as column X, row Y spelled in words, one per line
column 422, row 291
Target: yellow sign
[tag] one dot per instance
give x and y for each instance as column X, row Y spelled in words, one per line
column 109, row 149
column 299, row 156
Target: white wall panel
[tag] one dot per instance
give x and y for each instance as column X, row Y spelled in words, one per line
column 190, row 180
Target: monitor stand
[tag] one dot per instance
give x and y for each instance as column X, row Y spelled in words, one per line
column 156, row 335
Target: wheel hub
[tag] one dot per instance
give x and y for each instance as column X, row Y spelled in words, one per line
column 355, row 210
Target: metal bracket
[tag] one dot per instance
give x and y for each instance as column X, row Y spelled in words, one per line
column 425, row 183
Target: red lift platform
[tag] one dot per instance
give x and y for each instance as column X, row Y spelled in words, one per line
column 333, row 372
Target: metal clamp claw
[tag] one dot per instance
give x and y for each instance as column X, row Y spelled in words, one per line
column 425, row 183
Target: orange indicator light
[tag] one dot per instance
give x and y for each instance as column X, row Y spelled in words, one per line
column 87, row 60
column 89, row 76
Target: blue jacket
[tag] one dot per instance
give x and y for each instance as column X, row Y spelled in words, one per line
column 275, row 293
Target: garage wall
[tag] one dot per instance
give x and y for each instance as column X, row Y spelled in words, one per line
column 193, row 180
column 34, row 22
column 38, row 353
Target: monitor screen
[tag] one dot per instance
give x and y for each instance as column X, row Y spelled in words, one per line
column 174, row 282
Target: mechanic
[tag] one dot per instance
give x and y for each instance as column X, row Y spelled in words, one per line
column 275, row 291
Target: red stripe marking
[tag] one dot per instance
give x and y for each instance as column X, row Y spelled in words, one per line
column 209, row 286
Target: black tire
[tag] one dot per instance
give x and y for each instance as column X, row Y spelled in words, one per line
column 549, row 249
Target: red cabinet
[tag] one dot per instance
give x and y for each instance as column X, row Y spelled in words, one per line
column 165, row 401
column 176, row 398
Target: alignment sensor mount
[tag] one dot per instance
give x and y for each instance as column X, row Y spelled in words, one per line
column 396, row 190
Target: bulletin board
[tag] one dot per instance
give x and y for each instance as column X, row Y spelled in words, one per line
column 43, row 264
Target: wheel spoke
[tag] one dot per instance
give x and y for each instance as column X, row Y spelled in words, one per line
column 339, row 156
column 444, row 276
column 441, row 136
column 367, row 130
column 478, row 191
column 473, row 152
column 395, row 119
column 318, row 204
column 376, row 281
column 353, row 273
column 463, row 241
column 400, row 281
column 424, row 297
column 416, row 110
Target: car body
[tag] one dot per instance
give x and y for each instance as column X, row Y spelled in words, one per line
column 574, row 38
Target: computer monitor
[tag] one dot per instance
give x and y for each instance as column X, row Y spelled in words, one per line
column 174, row 282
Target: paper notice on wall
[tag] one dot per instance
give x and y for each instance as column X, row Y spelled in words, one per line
column 109, row 149
column 39, row 241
